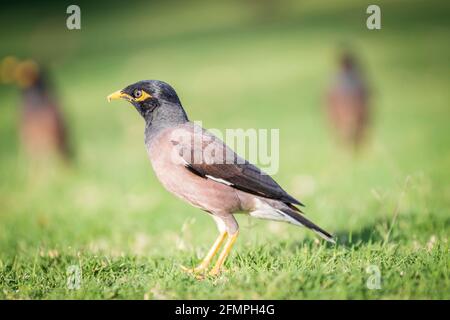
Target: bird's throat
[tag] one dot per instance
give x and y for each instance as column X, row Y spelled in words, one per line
column 166, row 115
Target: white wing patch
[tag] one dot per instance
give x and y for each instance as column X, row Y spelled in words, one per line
column 265, row 211
column 219, row 180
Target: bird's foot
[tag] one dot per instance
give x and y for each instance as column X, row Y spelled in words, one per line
column 214, row 272
column 196, row 270
column 199, row 272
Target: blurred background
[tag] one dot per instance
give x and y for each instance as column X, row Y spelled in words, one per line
column 235, row 64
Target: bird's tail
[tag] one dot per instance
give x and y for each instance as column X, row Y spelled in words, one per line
column 279, row 211
column 299, row 219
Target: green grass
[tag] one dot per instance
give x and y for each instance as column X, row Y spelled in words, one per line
column 108, row 215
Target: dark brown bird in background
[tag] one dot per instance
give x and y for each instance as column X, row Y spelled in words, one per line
column 202, row 170
column 41, row 124
column 347, row 103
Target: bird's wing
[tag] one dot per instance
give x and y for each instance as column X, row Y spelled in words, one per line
column 209, row 157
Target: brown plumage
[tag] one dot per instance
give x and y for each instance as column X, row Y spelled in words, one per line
column 202, row 170
column 347, row 104
column 41, row 124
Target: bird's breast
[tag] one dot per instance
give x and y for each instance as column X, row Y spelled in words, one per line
column 170, row 170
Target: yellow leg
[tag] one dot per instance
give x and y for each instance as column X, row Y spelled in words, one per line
column 211, row 253
column 224, row 254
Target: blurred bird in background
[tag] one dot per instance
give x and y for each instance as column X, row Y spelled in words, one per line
column 42, row 128
column 347, row 103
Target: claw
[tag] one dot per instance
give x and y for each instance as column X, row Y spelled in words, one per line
column 198, row 272
column 186, row 269
column 195, row 270
column 214, row 272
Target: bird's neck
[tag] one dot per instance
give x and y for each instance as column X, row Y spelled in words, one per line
column 166, row 115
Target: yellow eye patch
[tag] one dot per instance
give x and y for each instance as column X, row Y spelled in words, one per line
column 144, row 96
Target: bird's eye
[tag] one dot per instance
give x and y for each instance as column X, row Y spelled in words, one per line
column 137, row 93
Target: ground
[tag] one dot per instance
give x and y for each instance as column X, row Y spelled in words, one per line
column 106, row 216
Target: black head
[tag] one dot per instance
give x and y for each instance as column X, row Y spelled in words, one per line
column 347, row 61
column 148, row 95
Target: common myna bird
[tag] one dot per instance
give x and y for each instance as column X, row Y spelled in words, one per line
column 42, row 128
column 202, row 170
column 347, row 103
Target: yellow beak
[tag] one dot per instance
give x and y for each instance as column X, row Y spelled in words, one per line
column 118, row 95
